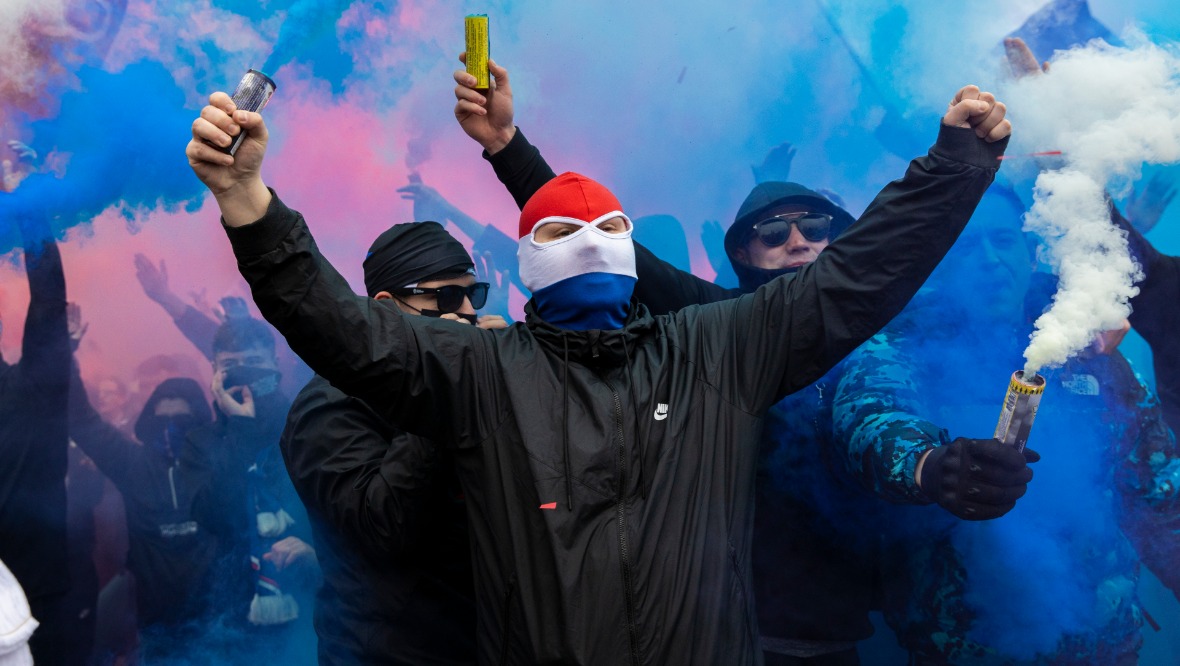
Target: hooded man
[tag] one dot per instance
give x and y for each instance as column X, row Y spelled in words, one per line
column 169, row 551
column 386, row 507
column 608, row 471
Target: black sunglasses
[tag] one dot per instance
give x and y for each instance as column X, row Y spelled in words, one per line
column 774, row 231
column 450, row 297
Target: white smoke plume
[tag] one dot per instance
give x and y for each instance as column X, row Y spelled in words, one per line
column 1110, row 110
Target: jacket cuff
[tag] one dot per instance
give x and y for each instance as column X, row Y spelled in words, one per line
column 264, row 234
column 513, row 157
column 961, row 145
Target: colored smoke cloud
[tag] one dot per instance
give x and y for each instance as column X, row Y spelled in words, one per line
column 1110, row 110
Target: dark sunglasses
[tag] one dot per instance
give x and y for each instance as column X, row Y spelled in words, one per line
column 774, row 231
column 450, row 297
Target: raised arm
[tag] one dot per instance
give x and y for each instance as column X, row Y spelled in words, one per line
column 792, row 330
column 354, row 471
column 110, row 450
column 45, row 347
column 423, row 375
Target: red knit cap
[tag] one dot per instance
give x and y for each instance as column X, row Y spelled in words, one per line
column 568, row 195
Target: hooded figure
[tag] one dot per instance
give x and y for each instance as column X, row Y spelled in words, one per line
column 169, row 551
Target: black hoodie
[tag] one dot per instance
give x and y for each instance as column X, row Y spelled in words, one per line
column 169, row 551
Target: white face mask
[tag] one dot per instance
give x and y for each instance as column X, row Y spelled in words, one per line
column 588, row 250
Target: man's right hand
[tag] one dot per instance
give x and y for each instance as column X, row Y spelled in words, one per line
column 235, row 401
column 976, row 479
column 485, row 116
column 235, row 180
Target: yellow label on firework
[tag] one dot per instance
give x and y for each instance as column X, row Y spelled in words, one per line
column 476, row 29
column 1020, row 409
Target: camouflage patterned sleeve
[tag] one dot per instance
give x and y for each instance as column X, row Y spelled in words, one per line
column 876, row 424
column 1149, row 482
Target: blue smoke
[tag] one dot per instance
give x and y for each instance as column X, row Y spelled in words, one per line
column 122, row 136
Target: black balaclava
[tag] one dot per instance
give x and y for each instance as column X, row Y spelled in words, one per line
column 162, row 432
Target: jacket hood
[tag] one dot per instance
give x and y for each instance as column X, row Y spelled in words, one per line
column 181, row 388
column 763, row 197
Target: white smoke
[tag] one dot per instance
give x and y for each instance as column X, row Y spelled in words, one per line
column 1110, row 110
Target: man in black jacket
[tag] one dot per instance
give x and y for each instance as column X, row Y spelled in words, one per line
column 1155, row 316
column 814, row 559
column 608, row 470
column 386, row 506
column 33, row 452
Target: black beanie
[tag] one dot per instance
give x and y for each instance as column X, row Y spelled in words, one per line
column 410, row 253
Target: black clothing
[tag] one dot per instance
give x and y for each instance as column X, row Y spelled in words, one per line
column 413, row 252
column 213, row 467
column 169, row 552
column 1156, row 316
column 33, row 445
column 390, row 531
column 629, row 541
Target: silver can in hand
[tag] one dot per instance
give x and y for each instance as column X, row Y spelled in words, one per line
column 253, row 92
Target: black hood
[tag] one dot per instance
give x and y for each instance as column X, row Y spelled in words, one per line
column 183, row 388
column 763, row 197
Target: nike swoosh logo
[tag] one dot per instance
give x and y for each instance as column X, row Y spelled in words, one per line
column 660, row 417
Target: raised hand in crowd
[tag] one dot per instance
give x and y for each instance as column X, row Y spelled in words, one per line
column 153, row 279
column 485, row 116
column 777, row 164
column 75, row 325
column 1146, row 204
column 428, row 203
column 1021, row 59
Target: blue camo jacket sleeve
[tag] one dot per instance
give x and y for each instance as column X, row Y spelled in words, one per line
column 1149, row 481
column 877, row 430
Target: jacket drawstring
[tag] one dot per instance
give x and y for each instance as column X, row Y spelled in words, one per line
column 565, row 419
column 638, row 422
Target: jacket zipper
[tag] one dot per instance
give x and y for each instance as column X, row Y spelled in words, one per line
column 625, row 564
column 172, row 485
column 507, row 613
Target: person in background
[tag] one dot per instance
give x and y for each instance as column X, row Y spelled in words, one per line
column 386, row 506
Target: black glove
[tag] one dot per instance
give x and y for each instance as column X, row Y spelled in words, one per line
column 976, row 479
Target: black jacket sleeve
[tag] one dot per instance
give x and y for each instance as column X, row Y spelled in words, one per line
column 45, row 348
column 354, row 471
column 368, row 349
column 1155, row 314
column 199, row 328
column 663, row 288
column 521, row 168
column 110, row 450
column 792, row 330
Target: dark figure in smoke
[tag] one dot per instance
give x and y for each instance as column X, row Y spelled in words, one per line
column 264, row 566
column 386, row 506
column 170, row 552
column 1156, row 316
column 198, row 327
column 815, row 577
column 1052, row 582
column 33, row 450
column 607, row 455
